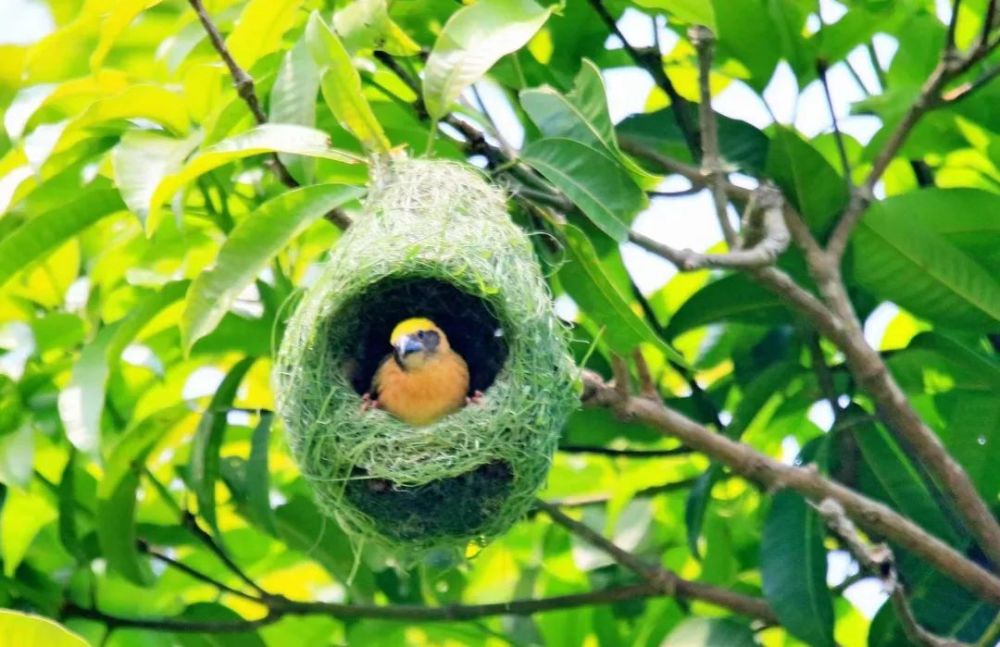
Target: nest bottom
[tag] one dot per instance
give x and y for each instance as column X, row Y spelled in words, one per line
column 452, row 507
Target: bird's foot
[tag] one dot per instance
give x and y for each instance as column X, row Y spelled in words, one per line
column 476, row 397
column 368, row 402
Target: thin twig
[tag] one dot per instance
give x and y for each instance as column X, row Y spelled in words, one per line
column 624, row 453
column 766, row 233
column 664, row 580
column 951, row 65
column 196, row 574
column 280, row 607
column 190, row 522
column 711, row 159
column 878, row 560
column 837, row 135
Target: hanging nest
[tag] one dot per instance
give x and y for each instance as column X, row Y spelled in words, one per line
column 435, row 241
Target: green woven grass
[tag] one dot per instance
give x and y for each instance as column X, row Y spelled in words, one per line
column 435, row 241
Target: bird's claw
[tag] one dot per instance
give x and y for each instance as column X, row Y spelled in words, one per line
column 476, row 397
column 368, row 402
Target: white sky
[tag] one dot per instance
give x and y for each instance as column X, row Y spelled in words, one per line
column 684, row 222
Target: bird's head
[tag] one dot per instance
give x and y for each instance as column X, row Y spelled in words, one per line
column 417, row 340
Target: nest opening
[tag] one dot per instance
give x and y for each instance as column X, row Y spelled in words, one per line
column 472, row 330
column 453, row 507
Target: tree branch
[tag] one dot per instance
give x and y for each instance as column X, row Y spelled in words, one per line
column 878, row 560
column 624, row 453
column 190, row 522
column 246, row 91
column 664, row 580
column 837, row 321
column 279, row 607
column 766, row 233
column 744, row 460
column 951, row 65
column 712, row 166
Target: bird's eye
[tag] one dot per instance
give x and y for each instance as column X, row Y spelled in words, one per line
column 421, row 334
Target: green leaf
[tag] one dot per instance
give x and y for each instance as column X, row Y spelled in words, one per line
column 249, row 247
column 260, row 28
column 24, row 514
column 116, row 492
column 969, row 219
column 692, row 12
column 746, row 33
column 581, row 115
column 44, row 233
column 972, row 435
column 81, row 402
column 710, row 632
column 474, row 38
column 731, row 298
column 741, row 144
column 585, row 281
column 146, row 191
column 365, row 24
column 208, row 439
column 35, row 631
column 113, row 24
column 596, row 183
column 697, row 504
column 341, row 85
column 807, row 179
column 293, row 101
column 142, row 160
column 144, row 101
column 67, row 509
column 258, row 476
column 898, row 259
column 897, row 476
column 793, row 569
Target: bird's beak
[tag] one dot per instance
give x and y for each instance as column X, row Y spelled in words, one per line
column 407, row 345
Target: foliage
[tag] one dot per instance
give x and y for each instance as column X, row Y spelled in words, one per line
column 156, row 234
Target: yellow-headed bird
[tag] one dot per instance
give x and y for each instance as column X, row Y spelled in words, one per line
column 422, row 379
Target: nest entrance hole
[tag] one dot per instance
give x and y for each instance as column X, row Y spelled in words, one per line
column 472, row 330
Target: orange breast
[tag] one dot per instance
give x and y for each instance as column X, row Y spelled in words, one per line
column 419, row 397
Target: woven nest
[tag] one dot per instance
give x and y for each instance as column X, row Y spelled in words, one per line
column 435, row 241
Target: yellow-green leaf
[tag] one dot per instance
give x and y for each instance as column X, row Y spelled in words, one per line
column 260, row 28
column 341, row 86
column 473, row 39
column 35, row 631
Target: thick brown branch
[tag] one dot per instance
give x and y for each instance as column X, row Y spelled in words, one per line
column 874, row 517
column 837, row 321
column 668, row 582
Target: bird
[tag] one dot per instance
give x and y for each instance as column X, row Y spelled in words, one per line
column 422, row 379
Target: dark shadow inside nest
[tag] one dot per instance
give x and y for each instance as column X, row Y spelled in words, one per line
column 472, row 330
column 451, row 507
